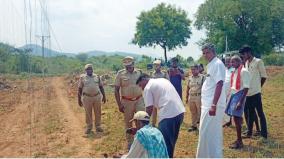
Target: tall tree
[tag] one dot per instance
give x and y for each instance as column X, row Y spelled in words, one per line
column 165, row 26
column 259, row 23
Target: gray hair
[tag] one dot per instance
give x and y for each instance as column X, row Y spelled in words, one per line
column 209, row 46
column 228, row 58
column 237, row 58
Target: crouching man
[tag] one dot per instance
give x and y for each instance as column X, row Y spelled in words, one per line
column 148, row 141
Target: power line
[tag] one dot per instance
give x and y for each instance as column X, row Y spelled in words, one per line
column 48, row 22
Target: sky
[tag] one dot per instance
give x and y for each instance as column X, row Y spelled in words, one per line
column 85, row 25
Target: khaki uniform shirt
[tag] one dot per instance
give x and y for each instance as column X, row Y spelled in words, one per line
column 195, row 84
column 161, row 74
column 90, row 84
column 257, row 71
column 127, row 83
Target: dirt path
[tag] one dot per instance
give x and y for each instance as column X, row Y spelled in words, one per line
column 18, row 133
column 42, row 122
column 73, row 124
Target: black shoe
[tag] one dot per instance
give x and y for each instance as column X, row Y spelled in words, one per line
column 193, row 128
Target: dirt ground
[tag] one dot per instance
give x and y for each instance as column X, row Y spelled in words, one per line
column 40, row 118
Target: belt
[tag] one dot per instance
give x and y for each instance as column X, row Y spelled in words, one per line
column 89, row 95
column 195, row 94
column 131, row 98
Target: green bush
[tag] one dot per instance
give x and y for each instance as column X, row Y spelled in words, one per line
column 275, row 59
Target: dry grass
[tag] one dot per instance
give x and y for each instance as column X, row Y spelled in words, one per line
column 186, row 146
column 53, row 132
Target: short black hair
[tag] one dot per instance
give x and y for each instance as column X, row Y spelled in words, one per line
column 194, row 66
column 245, row 48
column 143, row 76
column 201, row 65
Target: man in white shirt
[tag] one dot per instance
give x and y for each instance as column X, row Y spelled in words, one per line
column 229, row 70
column 213, row 100
column 160, row 93
column 258, row 77
column 240, row 81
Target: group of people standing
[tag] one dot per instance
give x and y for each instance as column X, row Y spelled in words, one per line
column 247, row 77
column 144, row 98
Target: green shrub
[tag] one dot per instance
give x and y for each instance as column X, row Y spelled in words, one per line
column 275, row 59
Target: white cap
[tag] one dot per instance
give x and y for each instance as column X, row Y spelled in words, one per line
column 157, row 62
column 141, row 115
column 88, row 66
column 128, row 60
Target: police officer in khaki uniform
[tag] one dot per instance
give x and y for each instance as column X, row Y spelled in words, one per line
column 90, row 95
column 157, row 73
column 193, row 96
column 127, row 94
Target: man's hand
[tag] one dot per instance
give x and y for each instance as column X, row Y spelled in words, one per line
column 212, row 111
column 104, row 99
column 80, row 102
column 131, row 131
column 238, row 106
column 121, row 108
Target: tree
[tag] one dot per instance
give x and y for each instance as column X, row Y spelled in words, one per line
column 144, row 61
column 189, row 59
column 258, row 23
column 165, row 26
column 82, row 57
column 116, row 67
column 3, row 58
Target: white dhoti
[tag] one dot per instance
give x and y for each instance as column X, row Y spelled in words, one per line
column 210, row 143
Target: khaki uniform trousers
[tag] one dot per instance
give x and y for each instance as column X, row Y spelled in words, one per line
column 130, row 108
column 195, row 109
column 90, row 104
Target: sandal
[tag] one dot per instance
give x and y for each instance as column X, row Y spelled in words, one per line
column 228, row 124
column 192, row 128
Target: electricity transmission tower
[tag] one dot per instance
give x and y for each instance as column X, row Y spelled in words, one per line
column 43, row 39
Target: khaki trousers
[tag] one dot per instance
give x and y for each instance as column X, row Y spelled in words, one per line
column 195, row 109
column 90, row 104
column 130, row 108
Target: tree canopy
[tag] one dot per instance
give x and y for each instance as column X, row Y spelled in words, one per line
column 258, row 23
column 165, row 26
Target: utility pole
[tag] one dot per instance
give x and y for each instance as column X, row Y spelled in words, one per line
column 226, row 49
column 43, row 38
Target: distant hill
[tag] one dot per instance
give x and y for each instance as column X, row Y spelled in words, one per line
column 36, row 50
